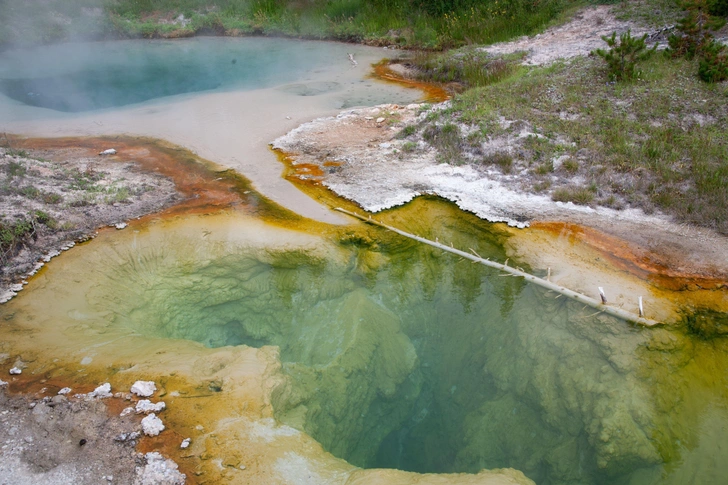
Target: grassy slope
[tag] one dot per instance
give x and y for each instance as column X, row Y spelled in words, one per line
column 659, row 142
column 407, row 23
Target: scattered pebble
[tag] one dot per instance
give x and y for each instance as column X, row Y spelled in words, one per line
column 110, row 151
column 380, row 119
column 121, row 225
column 143, row 388
column 15, row 371
column 64, row 391
column 134, row 435
column 152, row 425
column 185, row 443
column 146, row 406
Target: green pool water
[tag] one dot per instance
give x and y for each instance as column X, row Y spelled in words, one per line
column 398, row 355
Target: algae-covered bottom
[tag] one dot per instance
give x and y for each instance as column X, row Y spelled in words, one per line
column 397, row 355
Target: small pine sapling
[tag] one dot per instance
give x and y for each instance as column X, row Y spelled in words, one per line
column 695, row 30
column 714, row 63
column 622, row 56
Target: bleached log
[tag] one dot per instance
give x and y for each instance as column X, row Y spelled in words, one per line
column 610, row 310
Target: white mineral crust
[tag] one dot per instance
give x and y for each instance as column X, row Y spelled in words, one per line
column 104, row 390
column 146, row 406
column 152, row 425
column 143, row 388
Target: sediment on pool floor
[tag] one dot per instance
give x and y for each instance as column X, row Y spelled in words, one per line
column 396, row 354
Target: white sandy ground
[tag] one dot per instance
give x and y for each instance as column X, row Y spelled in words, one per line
column 578, row 37
column 229, row 128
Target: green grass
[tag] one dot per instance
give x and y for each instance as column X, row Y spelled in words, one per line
column 407, row 23
column 659, row 142
column 577, row 195
column 447, row 140
column 14, row 234
column 500, row 159
column 466, row 67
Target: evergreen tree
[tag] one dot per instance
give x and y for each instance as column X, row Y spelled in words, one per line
column 622, row 57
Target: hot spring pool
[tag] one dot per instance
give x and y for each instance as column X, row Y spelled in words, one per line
column 396, row 355
column 389, row 353
column 224, row 99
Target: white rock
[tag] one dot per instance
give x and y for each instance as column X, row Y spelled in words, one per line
column 185, row 443
column 110, row 151
column 103, row 391
column 15, row 371
column 143, row 388
column 51, row 255
column 64, row 391
column 126, row 411
column 121, row 225
column 152, row 425
column 380, row 119
column 146, row 406
column 159, row 470
column 3, row 383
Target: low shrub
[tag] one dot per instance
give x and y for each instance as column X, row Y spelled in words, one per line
column 713, row 66
column 504, row 160
column 577, row 195
column 623, row 56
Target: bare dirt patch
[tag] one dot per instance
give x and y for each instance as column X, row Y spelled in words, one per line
column 578, row 37
column 58, row 438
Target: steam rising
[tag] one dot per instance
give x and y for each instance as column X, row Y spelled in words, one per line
column 77, row 77
column 32, row 22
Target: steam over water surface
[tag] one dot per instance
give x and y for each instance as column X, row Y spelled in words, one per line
column 86, row 77
column 225, row 99
column 393, row 354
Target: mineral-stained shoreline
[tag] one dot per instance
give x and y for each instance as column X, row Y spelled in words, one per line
column 67, row 194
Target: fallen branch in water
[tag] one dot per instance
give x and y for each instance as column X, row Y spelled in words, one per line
column 610, row 310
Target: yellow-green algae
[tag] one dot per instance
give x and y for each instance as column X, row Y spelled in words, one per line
column 393, row 354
